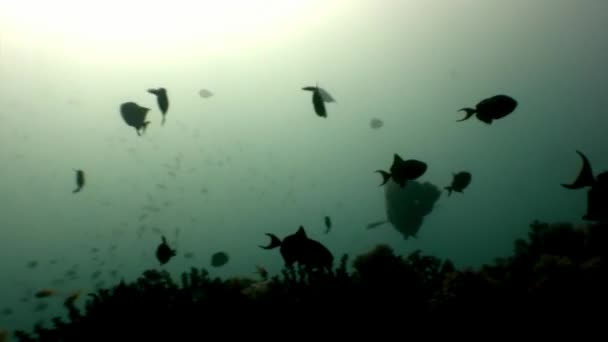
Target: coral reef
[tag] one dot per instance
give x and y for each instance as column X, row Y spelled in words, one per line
column 557, row 272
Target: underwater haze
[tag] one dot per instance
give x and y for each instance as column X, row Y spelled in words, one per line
column 254, row 157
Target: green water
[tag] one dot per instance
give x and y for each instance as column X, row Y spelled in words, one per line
column 254, row 158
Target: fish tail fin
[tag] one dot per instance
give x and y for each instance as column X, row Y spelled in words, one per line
column 585, row 176
column 449, row 190
column 163, row 121
column 77, row 190
column 385, row 176
column 274, row 242
column 153, row 91
column 469, row 111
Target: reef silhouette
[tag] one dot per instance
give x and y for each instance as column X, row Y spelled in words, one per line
column 556, row 273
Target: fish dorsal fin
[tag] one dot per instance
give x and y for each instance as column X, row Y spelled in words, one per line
column 397, row 158
column 164, row 239
column 301, row 233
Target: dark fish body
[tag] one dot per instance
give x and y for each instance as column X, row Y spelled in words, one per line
column 597, row 197
column 491, row 108
column 79, row 181
column 204, row 93
column 318, row 101
column 319, row 104
column 376, row 123
column 164, row 253
column 303, row 250
column 402, row 171
column 219, row 259
column 162, row 99
column 327, row 224
column 460, row 181
column 134, row 115
column 44, row 293
column 597, row 200
column 407, row 207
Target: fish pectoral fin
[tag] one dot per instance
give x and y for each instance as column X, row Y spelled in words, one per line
column 372, row 225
